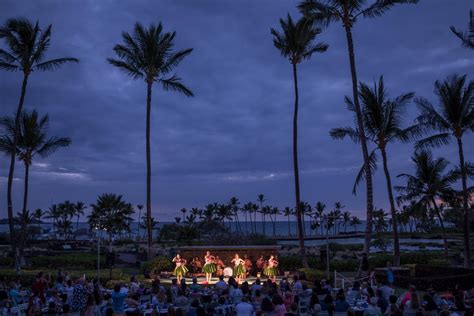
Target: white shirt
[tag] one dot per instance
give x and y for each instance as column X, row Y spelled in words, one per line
column 244, row 309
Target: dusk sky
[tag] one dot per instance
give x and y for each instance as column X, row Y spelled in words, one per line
column 234, row 137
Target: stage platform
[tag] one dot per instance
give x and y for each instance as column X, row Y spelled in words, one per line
column 202, row 280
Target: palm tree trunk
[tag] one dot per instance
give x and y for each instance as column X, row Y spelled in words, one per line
column 396, row 241
column 23, row 215
column 441, row 223
column 465, row 199
column 296, row 173
column 363, row 141
column 148, row 169
column 11, row 172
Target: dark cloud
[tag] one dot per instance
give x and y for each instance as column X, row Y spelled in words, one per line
column 234, row 137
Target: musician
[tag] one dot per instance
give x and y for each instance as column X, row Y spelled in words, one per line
column 260, row 264
column 196, row 265
column 180, row 270
column 247, row 264
column 209, row 266
column 271, row 269
column 219, row 266
column 239, row 268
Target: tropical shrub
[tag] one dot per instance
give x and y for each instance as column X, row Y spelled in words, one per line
column 158, row 264
column 67, row 261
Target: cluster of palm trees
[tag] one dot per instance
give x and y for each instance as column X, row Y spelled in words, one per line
column 378, row 118
column 63, row 215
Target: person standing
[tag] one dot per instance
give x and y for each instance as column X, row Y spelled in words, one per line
column 180, row 269
column 239, row 269
column 271, row 269
column 209, row 266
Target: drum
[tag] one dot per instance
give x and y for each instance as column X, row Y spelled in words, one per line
column 228, row 271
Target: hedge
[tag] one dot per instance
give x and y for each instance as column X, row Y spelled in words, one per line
column 67, row 261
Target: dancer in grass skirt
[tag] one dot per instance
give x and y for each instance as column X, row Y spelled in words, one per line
column 209, row 266
column 239, row 268
column 271, row 270
column 180, row 269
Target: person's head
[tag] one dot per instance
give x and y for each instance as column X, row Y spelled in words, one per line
column 133, row 279
column 295, row 277
column 69, row 282
column 117, row 288
column 195, row 280
column 328, row 299
column 258, row 293
column 412, row 288
column 277, row 299
column 266, row 305
column 236, row 256
column 314, row 298
column 40, row 275
column 271, row 257
column 356, row 286
column 221, row 278
column 245, row 299
column 257, row 281
column 373, row 301
column 207, row 253
column 178, row 256
column 246, row 257
column 340, row 295
column 60, row 279
column 174, row 281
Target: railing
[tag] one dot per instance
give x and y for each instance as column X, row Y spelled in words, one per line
column 345, row 281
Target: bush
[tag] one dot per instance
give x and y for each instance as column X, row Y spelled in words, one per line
column 159, row 264
column 290, row 263
column 67, row 261
column 313, row 274
column 439, row 262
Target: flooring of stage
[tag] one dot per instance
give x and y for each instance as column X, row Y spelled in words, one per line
column 202, row 280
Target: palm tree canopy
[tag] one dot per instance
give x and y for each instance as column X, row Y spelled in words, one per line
column 455, row 113
column 148, row 54
column 32, row 138
column 27, row 44
column 112, row 212
column 295, row 42
column 323, row 12
column 383, row 120
column 430, row 181
column 466, row 37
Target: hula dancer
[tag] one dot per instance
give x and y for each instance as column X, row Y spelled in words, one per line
column 239, row 269
column 209, row 266
column 180, row 269
column 271, row 269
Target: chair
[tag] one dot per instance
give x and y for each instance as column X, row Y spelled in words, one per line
column 145, row 299
column 303, row 306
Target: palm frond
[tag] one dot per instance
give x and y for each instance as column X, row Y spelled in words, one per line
column 131, row 71
column 8, row 66
column 362, row 172
column 342, row 132
column 467, row 38
column 54, row 64
column 174, row 84
column 433, row 141
column 53, row 144
column 379, row 7
column 175, row 59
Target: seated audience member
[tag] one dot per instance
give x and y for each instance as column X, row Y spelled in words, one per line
column 221, row 285
column 267, row 306
column 407, row 296
column 244, row 308
column 382, row 302
column 393, row 309
column 341, row 305
column 373, row 309
column 279, row 305
column 314, row 303
column 195, row 286
column 327, row 304
column 118, row 300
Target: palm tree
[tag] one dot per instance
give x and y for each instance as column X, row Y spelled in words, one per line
column 140, row 207
column 467, row 38
column 53, row 213
column 260, row 200
column 318, row 213
column 111, row 213
column 27, row 45
column 296, row 42
column 38, row 215
column 453, row 118
column 79, row 211
column 147, row 54
column 287, row 212
column 346, row 219
column 354, row 222
column 429, row 184
column 234, row 206
column 382, row 118
column 347, row 12
column 31, row 141
column 184, row 210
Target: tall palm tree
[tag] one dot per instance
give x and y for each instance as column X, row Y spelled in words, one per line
column 79, row 209
column 382, row 118
column 453, row 118
column 38, row 215
column 467, row 38
column 296, row 42
column 31, row 141
column 354, row 222
column 234, row 207
column 147, row 54
column 429, row 184
column 184, row 210
column 318, row 213
column 323, row 12
column 26, row 47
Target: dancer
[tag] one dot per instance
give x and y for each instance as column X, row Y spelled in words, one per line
column 239, row 269
column 209, row 266
column 271, row 269
column 180, row 269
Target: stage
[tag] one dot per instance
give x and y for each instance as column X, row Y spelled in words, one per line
column 202, row 280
